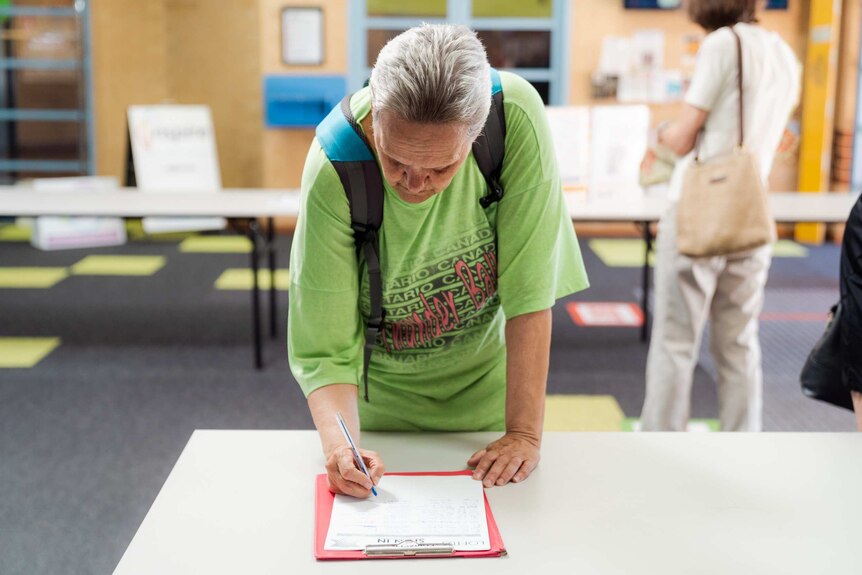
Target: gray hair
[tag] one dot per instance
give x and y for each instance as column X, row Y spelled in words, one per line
column 434, row 73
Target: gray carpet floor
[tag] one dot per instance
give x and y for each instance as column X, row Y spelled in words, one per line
column 88, row 436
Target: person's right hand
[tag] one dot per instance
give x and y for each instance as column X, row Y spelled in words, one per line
column 346, row 478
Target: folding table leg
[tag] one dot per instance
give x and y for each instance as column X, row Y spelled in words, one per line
column 645, row 280
column 253, row 233
column 273, row 312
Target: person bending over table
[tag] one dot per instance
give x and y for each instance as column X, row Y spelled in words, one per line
column 467, row 292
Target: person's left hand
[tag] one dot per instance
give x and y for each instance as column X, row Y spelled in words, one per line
column 511, row 458
column 648, row 161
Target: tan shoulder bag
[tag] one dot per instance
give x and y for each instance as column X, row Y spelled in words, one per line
column 724, row 206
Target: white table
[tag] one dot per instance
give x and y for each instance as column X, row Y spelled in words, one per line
column 599, row 503
column 241, row 206
column 133, row 203
column 250, row 204
column 787, row 208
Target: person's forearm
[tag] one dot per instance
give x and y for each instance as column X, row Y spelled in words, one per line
column 528, row 344
column 857, row 408
column 674, row 137
column 680, row 135
column 324, row 403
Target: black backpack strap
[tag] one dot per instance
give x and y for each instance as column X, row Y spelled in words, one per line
column 490, row 147
column 350, row 154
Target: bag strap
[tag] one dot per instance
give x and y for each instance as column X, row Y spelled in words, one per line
column 699, row 136
column 739, row 83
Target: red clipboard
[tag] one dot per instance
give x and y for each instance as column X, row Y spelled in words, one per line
column 324, row 500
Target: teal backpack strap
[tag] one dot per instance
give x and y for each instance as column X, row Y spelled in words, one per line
column 350, row 154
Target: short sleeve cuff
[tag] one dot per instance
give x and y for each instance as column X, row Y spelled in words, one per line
column 542, row 302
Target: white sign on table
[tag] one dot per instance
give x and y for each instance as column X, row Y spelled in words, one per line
column 173, row 149
column 618, row 140
column 600, row 148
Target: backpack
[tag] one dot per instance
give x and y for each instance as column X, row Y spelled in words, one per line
column 347, row 148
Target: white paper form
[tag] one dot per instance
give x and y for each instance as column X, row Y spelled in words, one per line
column 434, row 509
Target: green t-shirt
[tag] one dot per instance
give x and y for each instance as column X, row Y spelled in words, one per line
column 448, row 286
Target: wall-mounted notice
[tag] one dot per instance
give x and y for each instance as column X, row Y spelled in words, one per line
column 302, row 36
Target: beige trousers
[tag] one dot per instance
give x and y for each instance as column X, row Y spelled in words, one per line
column 727, row 290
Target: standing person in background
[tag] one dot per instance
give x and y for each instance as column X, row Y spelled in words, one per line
column 851, row 303
column 727, row 290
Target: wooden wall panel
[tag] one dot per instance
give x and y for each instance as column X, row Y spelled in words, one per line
column 213, row 59
column 335, row 36
column 129, row 39
column 182, row 51
column 284, row 150
column 284, row 156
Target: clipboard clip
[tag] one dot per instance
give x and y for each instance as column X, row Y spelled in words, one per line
column 409, row 548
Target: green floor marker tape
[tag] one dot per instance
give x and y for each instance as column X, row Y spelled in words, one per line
column 135, row 232
column 626, row 253
column 789, row 249
column 118, row 265
column 13, row 233
column 241, row 279
column 35, row 278
column 582, row 413
column 24, row 352
column 694, row 425
column 216, row 245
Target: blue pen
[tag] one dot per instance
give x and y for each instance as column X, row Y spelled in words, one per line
column 356, row 456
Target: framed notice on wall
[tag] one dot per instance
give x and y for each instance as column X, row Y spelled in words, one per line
column 302, row 36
